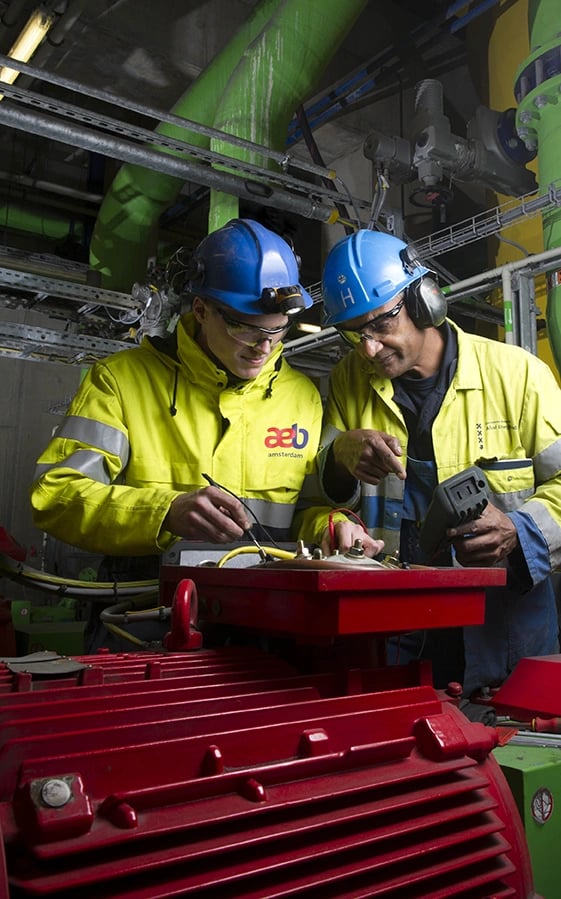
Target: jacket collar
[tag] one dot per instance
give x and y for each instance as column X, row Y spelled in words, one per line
column 468, row 372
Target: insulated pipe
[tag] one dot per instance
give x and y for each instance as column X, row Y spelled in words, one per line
column 125, row 232
column 274, row 75
column 19, row 218
column 537, row 88
column 277, row 34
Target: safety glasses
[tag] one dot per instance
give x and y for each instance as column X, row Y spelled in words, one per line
column 247, row 334
column 377, row 328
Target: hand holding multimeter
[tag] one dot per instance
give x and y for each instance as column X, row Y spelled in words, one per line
column 455, row 501
column 461, row 512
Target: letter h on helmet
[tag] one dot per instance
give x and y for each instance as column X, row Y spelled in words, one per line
column 367, row 269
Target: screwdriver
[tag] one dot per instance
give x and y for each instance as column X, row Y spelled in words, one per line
column 546, row 725
column 537, row 725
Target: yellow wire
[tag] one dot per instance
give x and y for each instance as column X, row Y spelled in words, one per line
column 32, row 574
column 241, row 550
column 125, row 635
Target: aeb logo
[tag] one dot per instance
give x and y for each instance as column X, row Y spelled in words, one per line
column 294, row 437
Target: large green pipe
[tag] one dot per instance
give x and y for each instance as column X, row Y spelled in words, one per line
column 537, row 89
column 273, row 76
column 250, row 89
column 126, row 228
column 19, row 218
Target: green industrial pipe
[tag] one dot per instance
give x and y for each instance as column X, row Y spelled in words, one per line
column 272, row 78
column 537, row 90
column 251, row 89
column 126, row 228
column 18, row 218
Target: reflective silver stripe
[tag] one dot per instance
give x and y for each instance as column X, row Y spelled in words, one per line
column 40, row 470
column 104, row 437
column 390, row 487
column 509, row 502
column 85, row 461
column 272, row 515
column 548, row 463
column 549, row 528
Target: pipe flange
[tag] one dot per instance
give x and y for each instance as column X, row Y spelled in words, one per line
column 534, row 106
column 538, row 69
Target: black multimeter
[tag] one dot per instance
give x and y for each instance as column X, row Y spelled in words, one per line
column 461, row 498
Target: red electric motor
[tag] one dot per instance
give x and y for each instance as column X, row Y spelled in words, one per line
column 232, row 772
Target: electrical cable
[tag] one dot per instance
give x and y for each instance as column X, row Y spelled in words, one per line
column 126, row 635
column 378, row 200
column 471, row 15
column 340, row 98
column 249, row 531
column 331, row 525
column 272, row 552
column 39, row 580
column 513, row 243
column 318, row 160
column 134, row 610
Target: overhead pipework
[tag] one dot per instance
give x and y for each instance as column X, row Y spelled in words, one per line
column 491, row 153
column 537, row 86
column 250, row 90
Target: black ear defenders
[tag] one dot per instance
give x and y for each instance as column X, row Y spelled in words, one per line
column 425, row 303
column 424, row 300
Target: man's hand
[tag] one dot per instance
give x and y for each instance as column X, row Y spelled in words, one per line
column 486, row 541
column 346, row 532
column 368, row 455
column 207, row 514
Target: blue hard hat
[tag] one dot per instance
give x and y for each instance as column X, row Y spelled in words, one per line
column 247, row 268
column 363, row 272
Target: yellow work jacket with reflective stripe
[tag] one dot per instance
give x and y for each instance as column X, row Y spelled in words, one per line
column 143, row 428
column 502, row 411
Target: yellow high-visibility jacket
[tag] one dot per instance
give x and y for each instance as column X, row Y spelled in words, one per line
column 502, row 411
column 145, row 424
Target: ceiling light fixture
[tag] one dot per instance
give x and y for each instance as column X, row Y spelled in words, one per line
column 27, row 42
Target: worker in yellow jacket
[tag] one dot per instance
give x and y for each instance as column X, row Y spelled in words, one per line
column 418, row 400
column 124, row 473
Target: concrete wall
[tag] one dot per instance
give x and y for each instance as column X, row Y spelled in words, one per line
column 33, row 398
